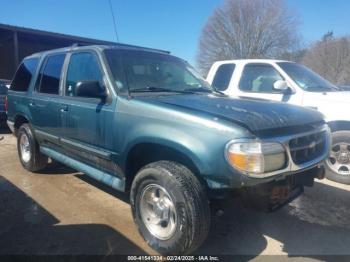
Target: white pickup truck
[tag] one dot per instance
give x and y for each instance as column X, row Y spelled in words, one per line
column 290, row 82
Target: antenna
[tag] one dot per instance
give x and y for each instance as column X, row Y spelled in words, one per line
column 114, row 22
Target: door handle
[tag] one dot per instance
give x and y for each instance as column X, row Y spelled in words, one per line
column 32, row 104
column 64, row 108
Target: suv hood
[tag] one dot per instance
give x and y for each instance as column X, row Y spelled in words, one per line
column 256, row 115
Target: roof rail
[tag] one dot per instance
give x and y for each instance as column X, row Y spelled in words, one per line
column 80, row 44
column 141, row 47
column 124, row 45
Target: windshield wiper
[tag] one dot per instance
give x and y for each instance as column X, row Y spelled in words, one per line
column 322, row 88
column 203, row 90
column 155, row 89
column 199, row 89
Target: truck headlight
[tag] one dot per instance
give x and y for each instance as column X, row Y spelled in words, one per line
column 256, row 157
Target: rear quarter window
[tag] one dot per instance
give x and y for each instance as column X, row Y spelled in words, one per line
column 24, row 75
column 223, row 76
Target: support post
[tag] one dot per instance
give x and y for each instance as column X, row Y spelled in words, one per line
column 15, row 46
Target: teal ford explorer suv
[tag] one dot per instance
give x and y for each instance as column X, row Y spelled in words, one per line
column 144, row 122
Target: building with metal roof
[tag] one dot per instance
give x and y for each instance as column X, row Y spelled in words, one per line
column 19, row 42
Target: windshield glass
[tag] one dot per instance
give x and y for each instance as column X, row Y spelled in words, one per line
column 142, row 71
column 307, row 79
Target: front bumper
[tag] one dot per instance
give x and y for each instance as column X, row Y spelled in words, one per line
column 274, row 195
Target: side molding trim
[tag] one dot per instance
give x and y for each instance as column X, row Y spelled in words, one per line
column 99, row 175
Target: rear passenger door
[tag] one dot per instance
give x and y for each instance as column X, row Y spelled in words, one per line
column 89, row 130
column 44, row 104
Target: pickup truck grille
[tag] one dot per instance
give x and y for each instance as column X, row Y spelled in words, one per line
column 307, row 148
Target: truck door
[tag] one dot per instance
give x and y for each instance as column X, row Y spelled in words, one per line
column 257, row 81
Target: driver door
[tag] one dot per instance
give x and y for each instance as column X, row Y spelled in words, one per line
column 257, row 81
column 89, row 129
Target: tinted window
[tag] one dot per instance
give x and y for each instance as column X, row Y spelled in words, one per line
column 3, row 89
column 24, row 75
column 259, row 78
column 223, row 76
column 50, row 75
column 82, row 67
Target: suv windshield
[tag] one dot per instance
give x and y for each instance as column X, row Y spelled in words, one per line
column 307, row 79
column 142, row 71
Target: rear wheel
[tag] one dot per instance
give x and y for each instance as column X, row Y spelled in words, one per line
column 28, row 150
column 338, row 162
column 170, row 208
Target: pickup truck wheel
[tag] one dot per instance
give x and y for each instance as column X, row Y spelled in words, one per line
column 28, row 150
column 170, row 208
column 338, row 162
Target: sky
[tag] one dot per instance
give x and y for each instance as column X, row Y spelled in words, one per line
column 173, row 25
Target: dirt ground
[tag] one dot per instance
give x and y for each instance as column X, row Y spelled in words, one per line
column 60, row 211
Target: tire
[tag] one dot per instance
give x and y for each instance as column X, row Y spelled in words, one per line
column 339, row 138
column 190, row 202
column 28, row 150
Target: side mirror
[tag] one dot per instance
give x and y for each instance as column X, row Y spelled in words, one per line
column 91, row 89
column 281, row 85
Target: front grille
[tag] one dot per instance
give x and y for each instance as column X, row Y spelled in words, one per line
column 307, row 148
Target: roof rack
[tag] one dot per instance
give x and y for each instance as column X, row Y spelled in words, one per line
column 125, row 45
column 141, row 47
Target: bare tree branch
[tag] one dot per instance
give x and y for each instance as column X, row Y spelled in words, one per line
column 330, row 57
column 247, row 29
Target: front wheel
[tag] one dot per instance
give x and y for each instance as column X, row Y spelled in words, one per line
column 170, row 208
column 338, row 162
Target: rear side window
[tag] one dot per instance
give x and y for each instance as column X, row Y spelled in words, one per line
column 259, row 78
column 223, row 76
column 50, row 73
column 24, row 75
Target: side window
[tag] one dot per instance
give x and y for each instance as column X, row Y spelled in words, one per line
column 223, row 76
column 259, row 78
column 50, row 74
column 82, row 67
column 24, row 75
column 3, row 89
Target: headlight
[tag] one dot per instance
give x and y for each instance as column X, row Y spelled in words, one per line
column 256, row 157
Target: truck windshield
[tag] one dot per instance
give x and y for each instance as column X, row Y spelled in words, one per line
column 142, row 71
column 307, row 79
